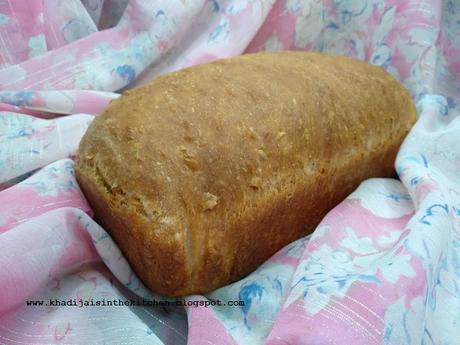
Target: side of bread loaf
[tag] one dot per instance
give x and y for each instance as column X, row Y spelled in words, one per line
column 204, row 173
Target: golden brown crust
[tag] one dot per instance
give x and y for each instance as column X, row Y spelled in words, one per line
column 204, row 173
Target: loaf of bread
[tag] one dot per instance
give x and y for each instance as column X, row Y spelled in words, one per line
column 203, row 174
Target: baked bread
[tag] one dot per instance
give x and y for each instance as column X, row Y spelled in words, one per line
column 202, row 174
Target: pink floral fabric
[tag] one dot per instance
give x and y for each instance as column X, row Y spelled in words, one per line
column 383, row 267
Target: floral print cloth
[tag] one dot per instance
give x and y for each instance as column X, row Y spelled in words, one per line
column 383, row 267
